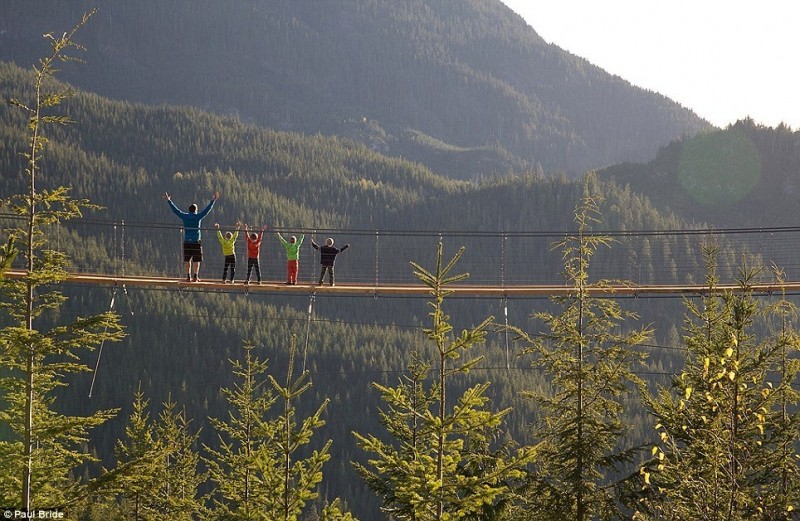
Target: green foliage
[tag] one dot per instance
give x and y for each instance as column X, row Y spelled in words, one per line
column 256, row 472
column 728, row 425
column 741, row 176
column 158, row 475
column 470, row 74
column 588, row 357
column 179, row 474
column 46, row 447
column 122, row 155
column 333, row 512
column 442, row 463
column 142, row 452
column 294, row 480
column 8, row 252
column 241, row 489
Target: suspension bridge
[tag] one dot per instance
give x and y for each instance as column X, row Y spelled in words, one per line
column 500, row 264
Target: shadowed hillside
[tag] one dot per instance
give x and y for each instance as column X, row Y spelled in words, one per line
column 464, row 86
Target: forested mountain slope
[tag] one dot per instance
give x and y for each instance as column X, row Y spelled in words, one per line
column 124, row 155
column 746, row 175
column 464, row 86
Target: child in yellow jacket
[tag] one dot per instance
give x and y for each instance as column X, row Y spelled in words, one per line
column 228, row 242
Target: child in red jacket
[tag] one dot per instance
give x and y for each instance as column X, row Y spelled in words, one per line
column 253, row 252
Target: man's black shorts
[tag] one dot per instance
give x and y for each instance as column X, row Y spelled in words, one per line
column 192, row 251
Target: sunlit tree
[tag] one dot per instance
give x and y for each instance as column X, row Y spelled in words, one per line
column 38, row 462
column 587, row 352
column 442, row 461
column 728, row 425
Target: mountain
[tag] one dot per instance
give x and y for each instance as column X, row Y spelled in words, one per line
column 463, row 86
column 743, row 176
column 123, row 155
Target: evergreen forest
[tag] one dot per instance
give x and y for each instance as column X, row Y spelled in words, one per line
column 465, row 87
column 161, row 403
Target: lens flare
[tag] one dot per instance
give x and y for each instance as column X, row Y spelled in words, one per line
column 719, row 168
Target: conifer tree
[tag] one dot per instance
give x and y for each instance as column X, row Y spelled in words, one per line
column 256, row 472
column 141, row 450
column 46, row 447
column 294, row 480
column 441, row 462
column 160, row 478
column 8, row 252
column 235, row 470
column 333, row 512
column 587, row 354
column 728, row 425
column 179, row 477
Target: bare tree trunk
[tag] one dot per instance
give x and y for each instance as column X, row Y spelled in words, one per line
column 29, row 395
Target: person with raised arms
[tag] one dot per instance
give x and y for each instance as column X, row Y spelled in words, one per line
column 292, row 247
column 253, row 252
column 228, row 243
column 327, row 258
column 192, row 245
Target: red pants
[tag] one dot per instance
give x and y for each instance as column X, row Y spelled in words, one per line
column 291, row 268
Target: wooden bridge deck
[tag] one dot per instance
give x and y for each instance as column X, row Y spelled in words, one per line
column 347, row 288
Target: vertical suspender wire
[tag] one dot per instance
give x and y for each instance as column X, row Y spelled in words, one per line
column 505, row 297
column 121, row 246
column 314, row 261
column 503, row 261
column 311, row 300
column 377, row 250
column 100, row 350
column 180, row 252
column 508, row 349
column 122, row 258
column 114, row 259
column 111, row 304
column 308, row 326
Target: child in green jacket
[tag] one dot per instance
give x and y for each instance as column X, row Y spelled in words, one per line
column 228, row 241
column 292, row 247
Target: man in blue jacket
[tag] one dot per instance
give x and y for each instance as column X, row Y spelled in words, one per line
column 192, row 247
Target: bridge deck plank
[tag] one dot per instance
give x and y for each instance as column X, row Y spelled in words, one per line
column 414, row 289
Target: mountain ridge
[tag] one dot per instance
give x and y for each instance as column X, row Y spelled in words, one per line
column 470, row 74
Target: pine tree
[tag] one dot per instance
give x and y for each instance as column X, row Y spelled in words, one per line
column 588, row 356
column 179, row 477
column 8, row 252
column 241, row 488
column 295, row 480
column 728, row 425
column 157, row 475
column 142, row 452
column 333, row 512
column 441, row 463
column 39, row 460
column 256, row 472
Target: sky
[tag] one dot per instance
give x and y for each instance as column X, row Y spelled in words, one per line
column 725, row 60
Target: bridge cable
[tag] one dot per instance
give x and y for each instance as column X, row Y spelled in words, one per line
column 122, row 258
column 505, row 297
column 102, row 343
column 311, row 300
column 377, row 250
column 308, row 325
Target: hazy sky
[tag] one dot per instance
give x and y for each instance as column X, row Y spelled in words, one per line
column 724, row 60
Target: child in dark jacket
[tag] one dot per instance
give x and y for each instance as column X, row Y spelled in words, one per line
column 327, row 258
column 253, row 252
